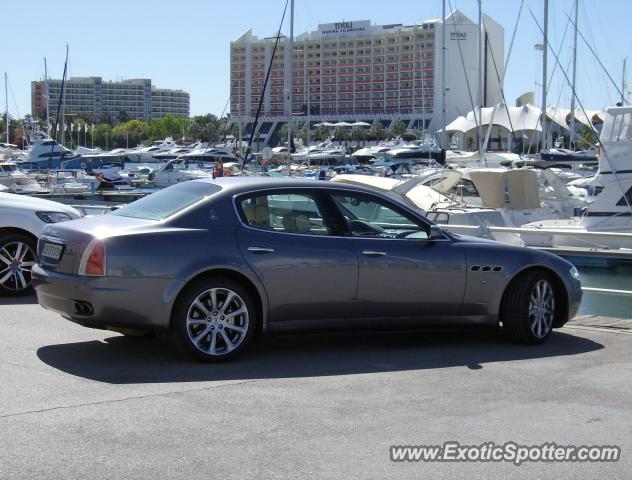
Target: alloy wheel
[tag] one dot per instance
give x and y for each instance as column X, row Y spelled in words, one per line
column 16, row 261
column 541, row 308
column 217, row 321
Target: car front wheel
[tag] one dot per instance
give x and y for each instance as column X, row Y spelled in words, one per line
column 17, row 258
column 215, row 319
column 529, row 308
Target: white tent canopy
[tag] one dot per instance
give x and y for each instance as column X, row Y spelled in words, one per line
column 526, row 117
column 590, row 117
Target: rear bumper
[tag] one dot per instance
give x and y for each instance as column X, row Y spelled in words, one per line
column 117, row 303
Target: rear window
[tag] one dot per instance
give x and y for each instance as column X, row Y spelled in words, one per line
column 169, row 201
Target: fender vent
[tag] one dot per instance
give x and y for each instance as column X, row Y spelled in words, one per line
column 486, row 268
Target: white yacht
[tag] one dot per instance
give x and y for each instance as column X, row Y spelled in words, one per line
column 28, row 186
column 469, row 201
column 177, row 171
column 174, row 153
column 209, row 155
column 10, row 173
column 146, row 154
column 611, row 210
column 366, row 154
column 65, row 182
column 412, row 153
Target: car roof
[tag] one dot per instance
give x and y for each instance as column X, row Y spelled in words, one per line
column 244, row 184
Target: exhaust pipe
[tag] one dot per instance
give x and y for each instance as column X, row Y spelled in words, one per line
column 83, row 308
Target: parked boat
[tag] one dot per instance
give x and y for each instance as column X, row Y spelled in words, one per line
column 611, row 211
column 47, row 153
column 10, row 173
column 146, row 154
column 65, row 182
column 177, row 171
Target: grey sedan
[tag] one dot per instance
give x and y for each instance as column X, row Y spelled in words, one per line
column 215, row 262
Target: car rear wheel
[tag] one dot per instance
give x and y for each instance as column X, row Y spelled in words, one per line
column 17, row 258
column 529, row 308
column 215, row 319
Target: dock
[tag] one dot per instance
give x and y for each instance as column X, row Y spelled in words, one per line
column 601, row 323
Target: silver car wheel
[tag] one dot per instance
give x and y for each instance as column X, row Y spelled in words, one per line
column 217, row 321
column 541, row 308
column 16, row 261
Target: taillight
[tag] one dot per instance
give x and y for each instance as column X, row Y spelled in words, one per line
column 93, row 260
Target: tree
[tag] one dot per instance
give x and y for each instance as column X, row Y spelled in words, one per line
column 132, row 132
column 123, row 117
column 398, row 129
column 322, row 133
column 377, row 132
column 102, row 131
column 204, row 127
column 585, row 138
column 358, row 134
column 106, row 118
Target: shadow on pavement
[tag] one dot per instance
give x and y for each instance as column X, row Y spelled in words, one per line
column 29, row 299
column 123, row 360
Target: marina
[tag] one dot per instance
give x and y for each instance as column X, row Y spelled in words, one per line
column 235, row 233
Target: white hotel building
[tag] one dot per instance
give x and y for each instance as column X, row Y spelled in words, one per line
column 355, row 71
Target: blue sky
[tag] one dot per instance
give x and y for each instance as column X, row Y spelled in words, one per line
column 185, row 44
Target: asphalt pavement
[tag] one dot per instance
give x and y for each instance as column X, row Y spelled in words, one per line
column 78, row 403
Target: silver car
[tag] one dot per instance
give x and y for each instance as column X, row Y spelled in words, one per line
column 215, row 262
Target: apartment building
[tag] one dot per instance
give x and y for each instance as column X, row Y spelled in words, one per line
column 95, row 98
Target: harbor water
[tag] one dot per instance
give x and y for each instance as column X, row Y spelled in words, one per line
column 617, row 278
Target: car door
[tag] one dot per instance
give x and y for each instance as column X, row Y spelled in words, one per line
column 309, row 270
column 402, row 273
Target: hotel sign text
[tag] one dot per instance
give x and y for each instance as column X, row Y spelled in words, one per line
column 458, row 35
column 344, row 28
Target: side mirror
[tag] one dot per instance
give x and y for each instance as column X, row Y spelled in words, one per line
column 436, row 232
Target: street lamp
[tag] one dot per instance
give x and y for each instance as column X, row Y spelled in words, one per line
column 106, row 141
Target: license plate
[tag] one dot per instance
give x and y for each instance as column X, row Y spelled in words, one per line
column 52, row 251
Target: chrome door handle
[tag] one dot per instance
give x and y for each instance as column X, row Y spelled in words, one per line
column 373, row 253
column 260, row 249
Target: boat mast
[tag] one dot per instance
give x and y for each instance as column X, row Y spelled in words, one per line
column 423, row 101
column 239, row 119
column 444, row 136
column 6, row 103
column 307, row 89
column 47, row 102
column 572, row 140
column 623, row 83
column 544, row 58
column 480, row 82
column 289, row 103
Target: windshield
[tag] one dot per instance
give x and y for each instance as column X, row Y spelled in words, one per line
column 169, row 201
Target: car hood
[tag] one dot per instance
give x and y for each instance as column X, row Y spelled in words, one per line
column 25, row 202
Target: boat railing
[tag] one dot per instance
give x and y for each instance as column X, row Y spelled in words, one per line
column 541, row 231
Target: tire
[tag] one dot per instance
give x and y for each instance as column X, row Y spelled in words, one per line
column 208, row 329
column 529, row 308
column 18, row 255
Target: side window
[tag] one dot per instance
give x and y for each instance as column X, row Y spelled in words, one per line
column 369, row 217
column 284, row 212
column 622, row 202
